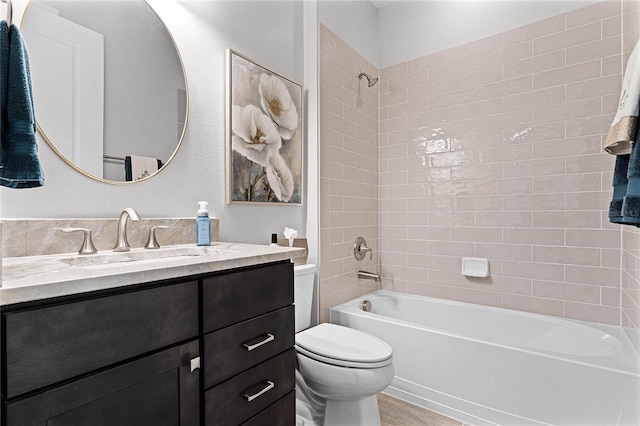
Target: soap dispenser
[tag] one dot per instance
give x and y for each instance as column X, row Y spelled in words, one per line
column 203, row 225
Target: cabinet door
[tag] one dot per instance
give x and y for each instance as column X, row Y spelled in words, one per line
column 159, row 389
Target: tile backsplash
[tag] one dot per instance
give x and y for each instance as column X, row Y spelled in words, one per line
column 33, row 237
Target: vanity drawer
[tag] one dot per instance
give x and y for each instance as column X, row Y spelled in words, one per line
column 280, row 413
column 49, row 344
column 231, row 350
column 228, row 404
column 238, row 296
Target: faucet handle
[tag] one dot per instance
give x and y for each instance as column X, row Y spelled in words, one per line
column 87, row 242
column 360, row 249
column 152, row 242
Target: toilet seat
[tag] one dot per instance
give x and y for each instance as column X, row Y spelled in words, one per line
column 343, row 346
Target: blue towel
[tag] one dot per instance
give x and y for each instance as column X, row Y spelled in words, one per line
column 631, row 203
column 4, row 72
column 21, row 166
column 620, row 182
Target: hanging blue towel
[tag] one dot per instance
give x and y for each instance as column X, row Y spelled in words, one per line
column 620, row 182
column 21, row 165
column 631, row 203
column 4, row 72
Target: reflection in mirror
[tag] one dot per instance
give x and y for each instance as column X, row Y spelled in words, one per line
column 108, row 86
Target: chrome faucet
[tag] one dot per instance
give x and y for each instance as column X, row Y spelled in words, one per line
column 121, row 243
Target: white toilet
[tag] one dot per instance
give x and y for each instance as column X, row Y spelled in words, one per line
column 340, row 369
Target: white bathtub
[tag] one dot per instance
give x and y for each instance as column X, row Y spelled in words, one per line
column 485, row 365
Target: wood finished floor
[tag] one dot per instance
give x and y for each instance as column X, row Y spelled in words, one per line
column 396, row 412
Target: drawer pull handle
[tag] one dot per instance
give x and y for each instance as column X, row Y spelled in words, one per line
column 249, row 346
column 270, row 385
column 195, row 364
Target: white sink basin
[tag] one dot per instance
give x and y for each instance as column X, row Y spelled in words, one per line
column 116, row 259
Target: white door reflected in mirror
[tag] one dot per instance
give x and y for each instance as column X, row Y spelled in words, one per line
column 108, row 84
column 67, row 70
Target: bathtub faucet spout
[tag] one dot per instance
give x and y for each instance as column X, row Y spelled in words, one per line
column 369, row 276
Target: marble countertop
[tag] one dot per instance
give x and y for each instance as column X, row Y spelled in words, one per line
column 41, row 277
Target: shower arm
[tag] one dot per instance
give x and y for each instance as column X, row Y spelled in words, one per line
column 371, row 81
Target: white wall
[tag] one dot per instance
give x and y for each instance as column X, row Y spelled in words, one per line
column 311, row 75
column 411, row 29
column 406, row 30
column 269, row 32
column 355, row 22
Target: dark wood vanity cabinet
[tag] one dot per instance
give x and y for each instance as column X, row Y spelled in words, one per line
column 116, row 359
column 205, row 350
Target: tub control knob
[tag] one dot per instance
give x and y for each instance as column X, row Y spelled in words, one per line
column 360, row 249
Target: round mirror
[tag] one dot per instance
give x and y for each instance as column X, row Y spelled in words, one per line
column 109, row 88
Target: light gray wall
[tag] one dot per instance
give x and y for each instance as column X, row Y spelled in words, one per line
column 311, row 82
column 408, row 29
column 354, row 21
column 411, row 29
column 271, row 33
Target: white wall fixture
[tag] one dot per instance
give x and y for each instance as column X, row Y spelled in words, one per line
column 475, row 267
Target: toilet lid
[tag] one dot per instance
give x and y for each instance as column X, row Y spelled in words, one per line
column 346, row 346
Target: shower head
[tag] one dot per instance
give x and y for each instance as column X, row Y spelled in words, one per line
column 371, row 81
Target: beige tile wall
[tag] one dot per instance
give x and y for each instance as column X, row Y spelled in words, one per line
column 493, row 149
column 489, row 149
column 348, row 171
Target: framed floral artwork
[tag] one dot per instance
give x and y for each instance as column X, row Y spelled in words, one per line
column 264, row 134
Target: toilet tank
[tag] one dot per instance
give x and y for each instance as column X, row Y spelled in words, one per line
column 304, row 277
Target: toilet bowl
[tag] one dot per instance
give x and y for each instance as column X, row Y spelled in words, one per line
column 340, row 370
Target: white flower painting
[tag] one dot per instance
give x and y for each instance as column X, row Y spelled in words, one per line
column 264, row 134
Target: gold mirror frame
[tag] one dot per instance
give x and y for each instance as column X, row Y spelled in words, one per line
column 184, row 128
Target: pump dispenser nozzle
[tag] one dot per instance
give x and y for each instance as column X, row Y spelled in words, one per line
column 203, row 209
